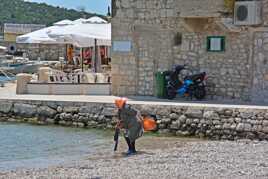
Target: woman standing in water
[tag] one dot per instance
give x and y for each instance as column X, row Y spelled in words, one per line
column 131, row 121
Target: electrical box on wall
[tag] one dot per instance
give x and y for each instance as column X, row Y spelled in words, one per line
column 248, row 13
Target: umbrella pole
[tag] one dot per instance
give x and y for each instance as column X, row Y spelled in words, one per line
column 96, row 56
column 82, row 59
column 66, row 57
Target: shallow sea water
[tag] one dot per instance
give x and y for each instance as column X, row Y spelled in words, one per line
column 28, row 146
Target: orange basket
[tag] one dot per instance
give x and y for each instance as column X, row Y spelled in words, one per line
column 149, row 124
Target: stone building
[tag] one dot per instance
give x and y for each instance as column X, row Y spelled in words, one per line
column 11, row 31
column 226, row 38
column 33, row 51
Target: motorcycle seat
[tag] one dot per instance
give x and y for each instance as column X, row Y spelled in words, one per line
column 199, row 76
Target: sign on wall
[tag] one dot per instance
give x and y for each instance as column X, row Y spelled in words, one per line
column 216, row 43
column 121, row 46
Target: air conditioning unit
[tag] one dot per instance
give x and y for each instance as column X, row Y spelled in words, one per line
column 248, row 13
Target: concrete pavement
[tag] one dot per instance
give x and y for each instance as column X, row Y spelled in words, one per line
column 9, row 93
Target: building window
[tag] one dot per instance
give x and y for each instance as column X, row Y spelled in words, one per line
column 215, row 43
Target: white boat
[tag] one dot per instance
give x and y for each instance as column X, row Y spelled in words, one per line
column 22, row 68
column 19, row 65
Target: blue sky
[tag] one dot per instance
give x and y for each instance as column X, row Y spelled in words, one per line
column 98, row 6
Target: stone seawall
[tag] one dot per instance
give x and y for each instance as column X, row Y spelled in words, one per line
column 229, row 123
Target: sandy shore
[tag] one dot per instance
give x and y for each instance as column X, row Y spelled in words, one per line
column 166, row 158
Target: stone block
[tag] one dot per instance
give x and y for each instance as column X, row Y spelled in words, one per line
column 175, row 125
column 216, row 122
column 59, row 109
column 196, row 121
column 246, row 114
column 66, row 116
column 238, row 120
column 26, row 110
column 91, row 109
column 230, row 120
column 194, row 113
column 265, row 130
column 247, row 127
column 109, row 112
column 173, row 116
column 5, row 107
column 240, row 127
column 211, row 115
column 189, row 121
column 166, row 121
column 163, row 111
column 182, row 119
column 46, row 111
column 233, row 126
column 265, row 123
column 70, row 109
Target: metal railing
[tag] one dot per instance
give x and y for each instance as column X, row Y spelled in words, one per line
column 8, row 77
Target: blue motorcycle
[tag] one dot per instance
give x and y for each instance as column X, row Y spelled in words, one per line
column 190, row 86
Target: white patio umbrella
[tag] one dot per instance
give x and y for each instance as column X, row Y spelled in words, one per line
column 39, row 36
column 80, row 35
column 64, row 22
column 83, row 35
column 76, row 32
column 79, row 21
column 96, row 20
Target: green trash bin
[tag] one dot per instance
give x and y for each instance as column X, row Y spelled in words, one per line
column 160, row 84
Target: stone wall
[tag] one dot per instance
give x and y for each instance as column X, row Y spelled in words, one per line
column 50, row 52
column 259, row 91
column 153, row 28
column 197, row 8
column 228, row 71
column 150, row 26
column 225, row 122
column 124, row 68
column 161, row 37
column 265, row 12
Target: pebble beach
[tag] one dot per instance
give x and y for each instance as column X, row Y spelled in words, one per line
column 163, row 157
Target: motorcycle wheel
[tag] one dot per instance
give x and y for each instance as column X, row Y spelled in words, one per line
column 200, row 92
column 171, row 94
